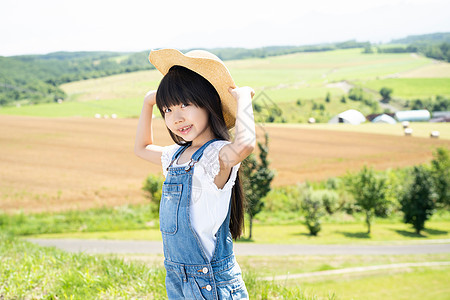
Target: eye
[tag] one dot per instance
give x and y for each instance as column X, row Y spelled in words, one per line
column 166, row 110
column 184, row 105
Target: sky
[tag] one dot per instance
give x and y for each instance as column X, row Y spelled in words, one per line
column 44, row 26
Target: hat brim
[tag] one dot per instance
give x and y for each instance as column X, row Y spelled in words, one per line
column 212, row 70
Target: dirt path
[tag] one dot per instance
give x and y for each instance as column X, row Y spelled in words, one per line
column 155, row 247
column 356, row 270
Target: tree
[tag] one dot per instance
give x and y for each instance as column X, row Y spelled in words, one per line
column 327, row 98
column 417, row 203
column 368, row 49
column 256, row 180
column 369, row 192
column 386, row 94
column 440, row 169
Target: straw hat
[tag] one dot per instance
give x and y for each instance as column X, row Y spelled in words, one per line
column 207, row 65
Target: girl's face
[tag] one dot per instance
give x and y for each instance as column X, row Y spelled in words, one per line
column 189, row 122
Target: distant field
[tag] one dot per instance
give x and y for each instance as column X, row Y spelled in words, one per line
column 78, row 163
column 284, row 79
column 420, row 129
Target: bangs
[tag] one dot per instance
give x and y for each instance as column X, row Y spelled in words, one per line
column 174, row 89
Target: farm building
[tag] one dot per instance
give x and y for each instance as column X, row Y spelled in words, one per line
column 441, row 116
column 350, row 116
column 384, row 118
column 413, row 115
column 373, row 116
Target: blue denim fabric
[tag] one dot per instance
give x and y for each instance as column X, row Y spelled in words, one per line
column 189, row 273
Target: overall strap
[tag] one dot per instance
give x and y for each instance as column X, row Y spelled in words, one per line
column 178, row 153
column 199, row 153
column 181, row 150
column 195, row 157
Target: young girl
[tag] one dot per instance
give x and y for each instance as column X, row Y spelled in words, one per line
column 202, row 207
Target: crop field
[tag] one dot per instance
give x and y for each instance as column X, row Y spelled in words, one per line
column 53, row 164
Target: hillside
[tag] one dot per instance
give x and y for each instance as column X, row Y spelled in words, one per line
column 296, row 83
column 37, row 78
column 31, row 79
column 438, row 37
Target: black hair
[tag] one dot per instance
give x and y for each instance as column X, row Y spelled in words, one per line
column 183, row 86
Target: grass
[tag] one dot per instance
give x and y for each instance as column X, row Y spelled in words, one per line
column 361, row 285
column 416, row 283
column 98, row 219
column 297, row 264
column 135, row 222
column 267, row 266
column 411, row 88
column 32, row 272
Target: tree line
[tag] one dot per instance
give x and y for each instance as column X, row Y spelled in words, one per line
column 36, row 78
column 434, row 45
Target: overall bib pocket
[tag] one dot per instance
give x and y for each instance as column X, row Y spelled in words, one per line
column 168, row 209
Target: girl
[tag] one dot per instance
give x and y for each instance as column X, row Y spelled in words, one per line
column 202, row 203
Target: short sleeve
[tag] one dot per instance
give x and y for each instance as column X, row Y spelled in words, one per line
column 211, row 164
column 166, row 157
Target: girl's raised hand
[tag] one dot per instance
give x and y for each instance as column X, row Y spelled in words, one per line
column 150, row 97
column 239, row 92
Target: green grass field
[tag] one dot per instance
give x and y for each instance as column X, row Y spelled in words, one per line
column 34, row 272
column 284, row 79
column 417, row 283
column 411, row 88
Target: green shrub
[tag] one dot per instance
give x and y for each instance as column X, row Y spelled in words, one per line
column 417, row 203
column 386, row 93
column 313, row 209
column 441, row 176
column 153, row 187
column 330, row 200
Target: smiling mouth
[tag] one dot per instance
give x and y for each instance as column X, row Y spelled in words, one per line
column 185, row 129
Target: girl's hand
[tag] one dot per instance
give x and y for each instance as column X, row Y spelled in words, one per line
column 239, row 92
column 150, row 97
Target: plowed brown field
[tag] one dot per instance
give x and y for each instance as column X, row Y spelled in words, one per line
column 51, row 164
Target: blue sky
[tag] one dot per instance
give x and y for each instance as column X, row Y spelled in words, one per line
column 38, row 27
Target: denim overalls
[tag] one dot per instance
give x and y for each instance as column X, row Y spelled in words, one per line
column 190, row 275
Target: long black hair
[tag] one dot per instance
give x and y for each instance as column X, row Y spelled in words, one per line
column 183, row 86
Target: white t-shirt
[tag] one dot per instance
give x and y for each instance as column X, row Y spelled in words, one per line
column 209, row 204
